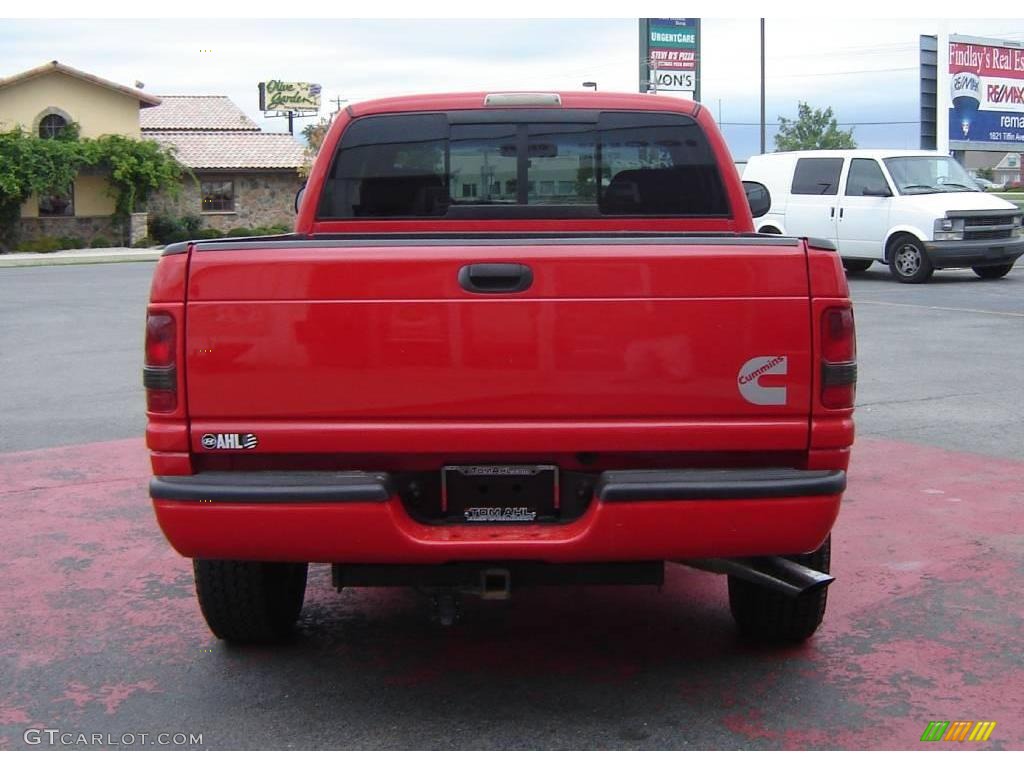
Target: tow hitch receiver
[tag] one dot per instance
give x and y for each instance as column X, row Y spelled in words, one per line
column 495, row 584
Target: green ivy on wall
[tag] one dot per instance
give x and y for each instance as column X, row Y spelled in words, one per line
column 30, row 165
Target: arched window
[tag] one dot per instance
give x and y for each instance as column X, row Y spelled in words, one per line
column 51, row 126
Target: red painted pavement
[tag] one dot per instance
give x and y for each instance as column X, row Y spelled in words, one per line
column 100, row 628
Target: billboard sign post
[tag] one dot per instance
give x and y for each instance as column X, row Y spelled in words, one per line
column 670, row 56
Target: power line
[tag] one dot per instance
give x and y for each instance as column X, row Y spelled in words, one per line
column 849, row 72
column 854, row 123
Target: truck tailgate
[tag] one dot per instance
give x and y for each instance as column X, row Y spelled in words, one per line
column 337, row 339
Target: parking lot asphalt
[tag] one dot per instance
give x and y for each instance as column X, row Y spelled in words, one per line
column 101, row 633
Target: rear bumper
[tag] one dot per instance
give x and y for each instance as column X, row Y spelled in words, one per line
column 974, row 253
column 346, row 517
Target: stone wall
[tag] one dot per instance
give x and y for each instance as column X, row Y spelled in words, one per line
column 84, row 227
column 139, row 228
column 261, row 200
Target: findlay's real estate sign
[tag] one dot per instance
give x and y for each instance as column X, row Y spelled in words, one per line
column 986, row 104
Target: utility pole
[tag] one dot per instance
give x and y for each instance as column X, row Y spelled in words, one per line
column 762, row 89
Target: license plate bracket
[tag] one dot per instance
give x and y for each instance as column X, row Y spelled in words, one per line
column 500, row 493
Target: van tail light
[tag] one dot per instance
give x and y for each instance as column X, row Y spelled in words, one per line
column 160, row 373
column 839, row 358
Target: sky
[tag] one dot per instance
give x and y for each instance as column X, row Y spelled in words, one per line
column 865, row 69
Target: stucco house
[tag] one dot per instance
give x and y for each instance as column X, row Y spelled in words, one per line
column 46, row 99
column 244, row 177
column 1005, row 166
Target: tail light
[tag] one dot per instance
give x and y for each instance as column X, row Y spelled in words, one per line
column 839, row 358
column 160, row 373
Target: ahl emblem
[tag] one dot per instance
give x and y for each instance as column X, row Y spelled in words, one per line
column 749, row 380
column 229, row 441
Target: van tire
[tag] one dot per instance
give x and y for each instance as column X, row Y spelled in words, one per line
column 250, row 602
column 908, row 261
column 993, row 273
column 857, row 265
column 764, row 615
column 769, row 231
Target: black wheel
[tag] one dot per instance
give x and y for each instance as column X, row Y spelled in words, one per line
column 857, row 265
column 250, row 602
column 767, row 616
column 769, row 231
column 993, row 273
column 908, row 261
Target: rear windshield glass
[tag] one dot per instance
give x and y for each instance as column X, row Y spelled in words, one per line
column 612, row 164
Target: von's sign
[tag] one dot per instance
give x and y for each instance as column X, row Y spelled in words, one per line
column 670, row 56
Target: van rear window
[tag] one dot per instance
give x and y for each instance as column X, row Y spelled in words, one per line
column 448, row 166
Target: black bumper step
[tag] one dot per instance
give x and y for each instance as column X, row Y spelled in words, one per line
column 695, row 484
column 272, row 487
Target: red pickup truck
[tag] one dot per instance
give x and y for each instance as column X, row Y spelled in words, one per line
column 515, row 339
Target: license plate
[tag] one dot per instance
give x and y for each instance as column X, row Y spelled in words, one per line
column 506, row 493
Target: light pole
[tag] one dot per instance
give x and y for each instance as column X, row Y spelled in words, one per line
column 762, row 89
column 590, row 84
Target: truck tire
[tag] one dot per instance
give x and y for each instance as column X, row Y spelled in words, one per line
column 993, row 273
column 250, row 602
column 908, row 261
column 857, row 265
column 766, row 616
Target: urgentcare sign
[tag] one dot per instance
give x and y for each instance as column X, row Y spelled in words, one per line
column 670, row 55
column 280, row 96
column 986, row 94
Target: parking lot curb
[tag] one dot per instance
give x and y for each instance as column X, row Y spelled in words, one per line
column 20, row 261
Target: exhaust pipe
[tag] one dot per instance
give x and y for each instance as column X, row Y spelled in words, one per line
column 779, row 574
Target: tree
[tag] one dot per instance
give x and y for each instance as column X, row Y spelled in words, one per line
column 314, row 133
column 813, row 129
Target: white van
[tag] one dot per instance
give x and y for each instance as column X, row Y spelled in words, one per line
column 915, row 210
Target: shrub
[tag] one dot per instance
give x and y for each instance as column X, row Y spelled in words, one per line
column 47, row 244
column 240, row 232
column 99, row 242
column 281, row 229
column 71, row 243
column 191, row 224
column 145, row 242
column 161, row 228
column 208, row 234
column 39, row 245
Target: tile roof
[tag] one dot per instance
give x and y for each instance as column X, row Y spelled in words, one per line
column 196, row 113
column 207, row 150
column 145, row 100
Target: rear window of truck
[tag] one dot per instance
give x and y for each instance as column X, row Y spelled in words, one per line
column 503, row 164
